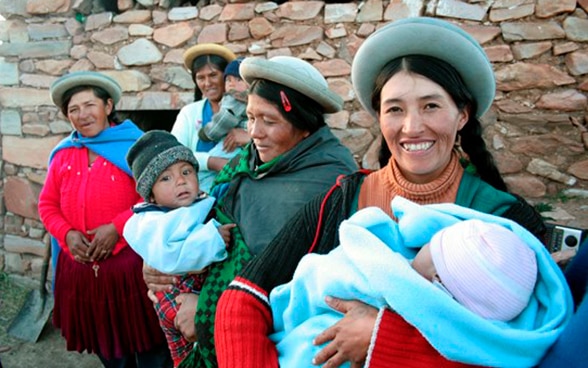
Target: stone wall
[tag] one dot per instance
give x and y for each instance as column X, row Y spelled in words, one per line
column 539, row 49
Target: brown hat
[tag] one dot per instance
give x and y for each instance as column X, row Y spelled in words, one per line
column 206, row 49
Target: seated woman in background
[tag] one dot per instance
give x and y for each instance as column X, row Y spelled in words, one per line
column 207, row 63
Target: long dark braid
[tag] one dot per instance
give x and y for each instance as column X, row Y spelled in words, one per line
column 474, row 146
column 449, row 79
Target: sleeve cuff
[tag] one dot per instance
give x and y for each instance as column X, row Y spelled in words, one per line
column 202, row 158
column 374, row 337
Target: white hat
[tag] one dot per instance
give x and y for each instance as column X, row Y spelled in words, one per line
column 486, row 267
column 294, row 73
column 84, row 78
column 430, row 37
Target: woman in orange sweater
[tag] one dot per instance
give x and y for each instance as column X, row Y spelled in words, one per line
column 427, row 82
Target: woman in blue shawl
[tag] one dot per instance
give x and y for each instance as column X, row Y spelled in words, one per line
column 101, row 303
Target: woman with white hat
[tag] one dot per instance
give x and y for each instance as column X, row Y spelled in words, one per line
column 101, row 303
column 427, row 82
column 293, row 156
column 206, row 62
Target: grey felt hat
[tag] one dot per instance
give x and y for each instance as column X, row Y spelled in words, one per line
column 294, row 73
column 151, row 154
column 424, row 36
column 84, row 78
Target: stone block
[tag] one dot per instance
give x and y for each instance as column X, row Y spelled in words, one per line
column 22, row 245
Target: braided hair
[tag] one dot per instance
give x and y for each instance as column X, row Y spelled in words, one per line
column 470, row 136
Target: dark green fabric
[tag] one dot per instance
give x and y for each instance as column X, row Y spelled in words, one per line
column 481, row 196
column 262, row 199
column 219, row 276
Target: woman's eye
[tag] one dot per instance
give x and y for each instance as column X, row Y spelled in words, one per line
column 431, row 106
column 393, row 110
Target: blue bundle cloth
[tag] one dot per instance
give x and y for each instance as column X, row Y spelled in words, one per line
column 372, row 264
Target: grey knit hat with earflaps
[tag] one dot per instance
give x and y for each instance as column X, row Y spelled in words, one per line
column 151, row 154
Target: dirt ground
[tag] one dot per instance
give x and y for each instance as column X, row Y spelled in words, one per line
column 49, row 351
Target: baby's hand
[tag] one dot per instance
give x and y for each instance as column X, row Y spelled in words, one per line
column 225, row 231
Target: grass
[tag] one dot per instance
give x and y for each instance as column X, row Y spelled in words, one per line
column 12, row 297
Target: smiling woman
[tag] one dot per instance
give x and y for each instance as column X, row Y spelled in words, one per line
column 84, row 204
column 206, row 62
column 427, row 82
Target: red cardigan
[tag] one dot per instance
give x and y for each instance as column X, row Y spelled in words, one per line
column 82, row 197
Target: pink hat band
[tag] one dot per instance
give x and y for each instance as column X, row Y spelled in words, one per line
column 486, row 267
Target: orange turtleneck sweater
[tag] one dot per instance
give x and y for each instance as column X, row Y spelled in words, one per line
column 380, row 187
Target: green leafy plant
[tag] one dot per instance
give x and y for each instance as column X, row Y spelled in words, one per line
column 543, row 207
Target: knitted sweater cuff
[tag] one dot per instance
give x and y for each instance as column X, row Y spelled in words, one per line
column 242, row 326
column 399, row 344
column 382, row 339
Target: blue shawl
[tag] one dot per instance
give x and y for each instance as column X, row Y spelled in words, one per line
column 373, row 264
column 112, row 144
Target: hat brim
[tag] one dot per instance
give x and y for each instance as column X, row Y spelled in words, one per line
column 84, row 78
column 430, row 37
column 258, row 68
column 206, row 49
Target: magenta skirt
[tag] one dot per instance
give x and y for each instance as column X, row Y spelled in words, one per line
column 108, row 314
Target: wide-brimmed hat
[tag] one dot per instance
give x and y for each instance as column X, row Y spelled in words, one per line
column 84, row 78
column 424, row 36
column 206, row 49
column 296, row 74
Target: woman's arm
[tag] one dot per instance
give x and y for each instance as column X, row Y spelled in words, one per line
column 50, row 208
column 244, row 341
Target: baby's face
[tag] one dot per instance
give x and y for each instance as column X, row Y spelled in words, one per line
column 177, row 186
column 235, row 83
column 423, row 263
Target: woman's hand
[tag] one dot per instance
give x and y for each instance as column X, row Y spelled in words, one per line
column 225, row 232
column 78, row 245
column 216, row 163
column 563, row 257
column 348, row 339
column 158, row 281
column 105, row 238
column 184, row 321
column 235, row 138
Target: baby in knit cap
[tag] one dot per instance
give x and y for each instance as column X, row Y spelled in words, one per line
column 172, row 231
column 231, row 112
column 484, row 266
